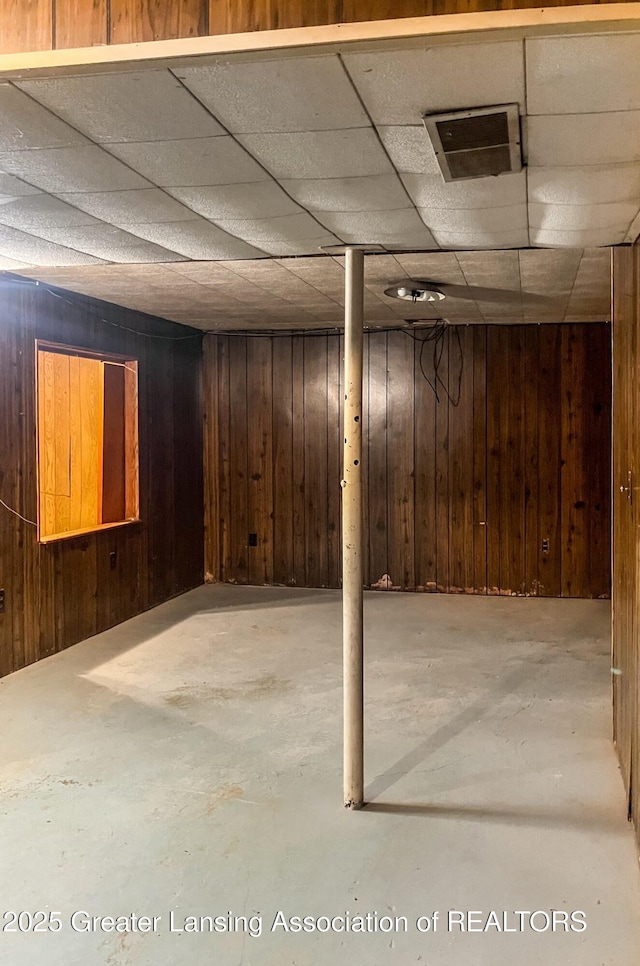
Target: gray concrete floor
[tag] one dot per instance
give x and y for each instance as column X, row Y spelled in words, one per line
column 190, row 760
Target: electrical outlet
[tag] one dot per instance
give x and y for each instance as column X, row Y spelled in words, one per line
column 1, row 601
column 113, row 559
column 545, row 545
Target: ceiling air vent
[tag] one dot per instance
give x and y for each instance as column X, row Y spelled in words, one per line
column 476, row 144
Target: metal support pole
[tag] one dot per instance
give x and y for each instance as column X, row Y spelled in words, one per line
column 352, row 556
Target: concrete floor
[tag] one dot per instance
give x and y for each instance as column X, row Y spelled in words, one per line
column 190, row 760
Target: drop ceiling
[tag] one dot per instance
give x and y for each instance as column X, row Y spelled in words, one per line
column 308, row 292
column 200, row 171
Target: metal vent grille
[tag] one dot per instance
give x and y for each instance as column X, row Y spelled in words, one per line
column 476, row 144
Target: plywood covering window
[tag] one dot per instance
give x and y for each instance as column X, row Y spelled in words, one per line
column 87, row 441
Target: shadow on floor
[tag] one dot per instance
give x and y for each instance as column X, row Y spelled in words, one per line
column 500, row 815
column 504, row 686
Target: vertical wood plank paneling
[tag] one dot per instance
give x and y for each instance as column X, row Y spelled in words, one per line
column 334, row 461
column 441, row 468
column 60, row 593
column 282, row 392
column 632, row 563
column 361, row 10
column 30, row 25
column 188, row 438
column 234, row 16
column 549, row 449
column 365, row 458
column 626, row 315
column 316, row 486
column 425, row 484
column 238, row 434
column 136, row 21
column 377, row 460
column 531, row 468
column 298, row 460
column 496, row 360
column 400, row 460
column 480, row 459
column 435, row 472
column 575, row 533
column 598, row 472
column 223, row 465
column 80, row 23
column 212, row 450
column 161, row 414
column 26, row 25
column 260, row 459
column 512, row 470
column 461, row 479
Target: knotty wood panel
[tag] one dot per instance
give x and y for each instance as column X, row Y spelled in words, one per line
column 26, row 25
column 134, row 21
column 235, row 16
column 80, row 23
column 461, row 489
column 59, row 593
column 45, row 24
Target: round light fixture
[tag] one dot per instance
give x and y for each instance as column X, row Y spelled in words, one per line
column 412, row 291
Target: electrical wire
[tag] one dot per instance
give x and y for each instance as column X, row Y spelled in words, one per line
column 15, row 513
column 441, row 335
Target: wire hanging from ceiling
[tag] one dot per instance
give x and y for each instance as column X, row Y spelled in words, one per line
column 441, row 336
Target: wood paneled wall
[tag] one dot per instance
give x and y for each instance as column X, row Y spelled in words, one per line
column 626, row 518
column 27, row 25
column 60, row 593
column 459, row 497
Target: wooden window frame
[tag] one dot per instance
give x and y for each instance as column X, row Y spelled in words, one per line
column 130, row 434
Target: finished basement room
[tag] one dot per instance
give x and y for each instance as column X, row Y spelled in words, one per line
column 319, row 483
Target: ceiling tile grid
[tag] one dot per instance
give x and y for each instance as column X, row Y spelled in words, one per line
column 263, row 156
column 533, row 286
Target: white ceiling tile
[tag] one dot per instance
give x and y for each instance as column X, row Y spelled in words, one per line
column 297, row 94
column 591, row 185
column 581, row 217
column 195, row 161
column 42, row 211
column 410, row 149
column 263, row 199
column 36, row 251
column 375, row 193
column 25, row 125
column 146, row 105
column 440, row 266
column 196, row 239
column 399, row 86
column 577, row 239
column 300, row 246
column 583, row 74
column 377, row 227
column 269, row 294
column 286, row 228
column 11, row 188
column 432, row 192
column 469, row 240
column 121, row 208
column 472, row 220
column 109, row 243
column 71, row 169
column 320, row 154
column 10, row 264
column 582, row 139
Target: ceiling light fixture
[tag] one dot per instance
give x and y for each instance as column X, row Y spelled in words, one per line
column 412, row 291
